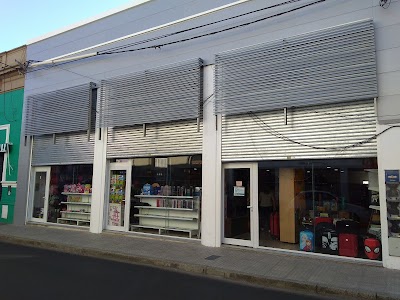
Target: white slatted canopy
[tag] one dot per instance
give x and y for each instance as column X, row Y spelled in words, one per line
column 168, row 93
column 61, row 111
column 333, row 65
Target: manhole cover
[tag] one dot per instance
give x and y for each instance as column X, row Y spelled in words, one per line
column 213, row 257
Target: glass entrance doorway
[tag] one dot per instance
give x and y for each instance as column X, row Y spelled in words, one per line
column 119, row 196
column 39, row 194
column 240, row 204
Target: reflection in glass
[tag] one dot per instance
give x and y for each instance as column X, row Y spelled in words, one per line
column 39, row 195
column 324, row 206
column 237, row 198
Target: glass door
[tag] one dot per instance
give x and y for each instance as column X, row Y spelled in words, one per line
column 39, row 194
column 240, row 204
column 119, row 196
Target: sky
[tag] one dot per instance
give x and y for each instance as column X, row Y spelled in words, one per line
column 24, row 20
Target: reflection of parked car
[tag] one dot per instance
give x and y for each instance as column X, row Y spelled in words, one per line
column 327, row 202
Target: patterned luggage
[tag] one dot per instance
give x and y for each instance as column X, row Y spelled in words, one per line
column 306, row 240
column 330, row 242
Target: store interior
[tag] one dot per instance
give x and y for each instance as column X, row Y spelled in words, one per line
column 166, row 195
column 326, row 206
column 321, row 206
column 70, row 194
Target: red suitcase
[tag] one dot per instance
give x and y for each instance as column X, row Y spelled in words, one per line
column 274, row 225
column 348, row 244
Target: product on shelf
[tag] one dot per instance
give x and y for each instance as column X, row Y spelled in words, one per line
column 78, row 188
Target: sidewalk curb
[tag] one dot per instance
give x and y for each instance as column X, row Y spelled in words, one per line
column 282, row 284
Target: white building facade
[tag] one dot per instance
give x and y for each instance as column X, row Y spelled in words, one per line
column 253, row 123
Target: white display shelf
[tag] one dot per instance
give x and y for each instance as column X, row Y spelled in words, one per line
column 163, row 229
column 164, row 217
column 166, row 208
column 75, row 212
column 165, row 197
column 394, row 218
column 77, row 194
column 78, row 222
column 376, row 207
column 77, row 203
column 80, row 218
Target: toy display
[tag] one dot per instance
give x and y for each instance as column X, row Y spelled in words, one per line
column 307, row 240
column 78, row 188
column 372, row 248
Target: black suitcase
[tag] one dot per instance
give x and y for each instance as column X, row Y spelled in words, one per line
column 347, row 226
column 330, row 242
column 320, row 228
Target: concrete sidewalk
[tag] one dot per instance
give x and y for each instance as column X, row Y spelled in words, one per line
column 325, row 276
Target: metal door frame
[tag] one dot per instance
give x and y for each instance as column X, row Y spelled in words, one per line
column 254, row 237
column 47, row 170
column 119, row 166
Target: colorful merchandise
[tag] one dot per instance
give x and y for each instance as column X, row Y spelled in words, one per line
column 307, row 240
column 372, row 248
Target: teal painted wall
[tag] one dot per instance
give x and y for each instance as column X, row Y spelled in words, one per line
column 11, row 105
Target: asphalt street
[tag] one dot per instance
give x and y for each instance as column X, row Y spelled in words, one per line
column 30, row 273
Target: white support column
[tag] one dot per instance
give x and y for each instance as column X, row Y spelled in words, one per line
column 388, row 159
column 211, row 222
column 98, row 182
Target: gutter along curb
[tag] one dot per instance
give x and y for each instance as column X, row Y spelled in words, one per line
column 283, row 284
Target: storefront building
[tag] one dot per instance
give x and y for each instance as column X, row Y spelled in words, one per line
column 262, row 131
column 11, row 99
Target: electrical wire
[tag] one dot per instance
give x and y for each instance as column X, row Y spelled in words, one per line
column 12, row 67
column 279, row 135
column 108, row 52
column 214, row 32
column 198, row 27
column 91, row 78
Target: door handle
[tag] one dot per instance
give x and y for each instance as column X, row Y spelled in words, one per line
column 249, row 206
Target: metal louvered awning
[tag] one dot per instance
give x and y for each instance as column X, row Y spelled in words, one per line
column 60, row 111
column 67, row 148
column 264, row 135
column 333, row 65
column 162, row 94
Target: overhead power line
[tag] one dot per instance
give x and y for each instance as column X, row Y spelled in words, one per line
column 214, row 32
column 197, row 27
column 117, row 50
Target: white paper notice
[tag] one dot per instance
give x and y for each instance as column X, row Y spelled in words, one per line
column 238, row 191
column 4, row 211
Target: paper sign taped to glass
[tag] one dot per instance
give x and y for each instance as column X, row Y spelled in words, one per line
column 238, row 191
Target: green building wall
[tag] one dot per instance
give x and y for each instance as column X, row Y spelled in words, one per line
column 11, row 105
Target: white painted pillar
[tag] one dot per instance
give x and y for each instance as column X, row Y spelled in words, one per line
column 98, row 182
column 388, row 159
column 211, row 222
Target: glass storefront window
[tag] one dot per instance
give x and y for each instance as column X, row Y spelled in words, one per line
column 324, row 206
column 166, row 195
column 70, row 194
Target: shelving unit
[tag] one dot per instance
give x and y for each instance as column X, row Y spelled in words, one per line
column 169, row 213
column 78, row 209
